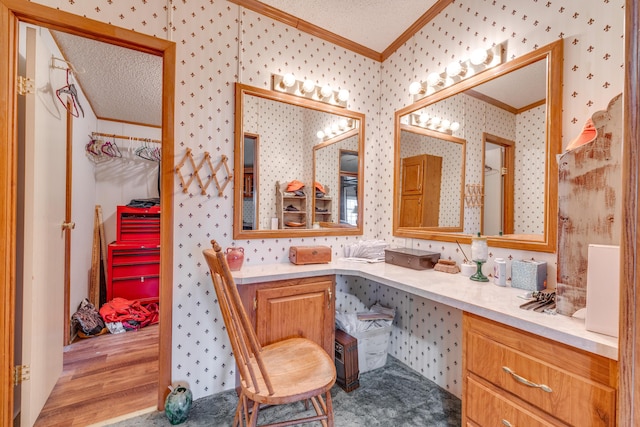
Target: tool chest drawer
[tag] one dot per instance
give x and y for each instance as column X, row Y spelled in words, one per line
column 549, row 380
column 133, row 271
column 138, row 224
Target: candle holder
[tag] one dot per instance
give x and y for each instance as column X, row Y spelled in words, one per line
column 479, row 255
column 478, row 276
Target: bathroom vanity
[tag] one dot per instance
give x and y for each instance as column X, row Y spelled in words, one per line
column 508, row 353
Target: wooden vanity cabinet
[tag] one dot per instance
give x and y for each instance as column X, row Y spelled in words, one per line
column 288, row 308
column 512, row 378
column 420, row 196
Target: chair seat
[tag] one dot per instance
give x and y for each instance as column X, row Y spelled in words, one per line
column 298, row 368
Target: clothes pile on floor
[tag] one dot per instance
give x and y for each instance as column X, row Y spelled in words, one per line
column 116, row 316
column 121, row 315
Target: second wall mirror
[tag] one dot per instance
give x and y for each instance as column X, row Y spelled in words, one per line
column 298, row 166
column 495, row 172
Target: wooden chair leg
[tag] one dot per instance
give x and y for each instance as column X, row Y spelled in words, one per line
column 329, row 409
column 254, row 414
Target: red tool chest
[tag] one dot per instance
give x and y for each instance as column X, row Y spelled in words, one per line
column 134, row 258
column 137, row 223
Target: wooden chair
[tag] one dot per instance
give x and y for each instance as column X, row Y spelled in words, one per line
column 291, row 370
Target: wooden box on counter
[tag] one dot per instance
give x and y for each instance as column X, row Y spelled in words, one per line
column 309, row 254
column 411, row 258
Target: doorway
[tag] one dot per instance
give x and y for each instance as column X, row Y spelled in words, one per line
column 498, row 159
column 10, row 14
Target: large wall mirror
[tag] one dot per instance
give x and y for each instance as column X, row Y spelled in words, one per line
column 298, row 166
column 495, row 173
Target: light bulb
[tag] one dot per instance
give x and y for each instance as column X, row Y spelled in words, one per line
column 343, row 124
column 455, row 69
column 434, row 79
column 335, row 128
column 343, row 95
column 308, row 86
column 454, row 126
column 480, row 56
column 423, row 118
column 320, row 134
column 288, row 80
column 416, row 88
column 444, row 125
column 435, row 122
column 327, row 131
column 326, row 91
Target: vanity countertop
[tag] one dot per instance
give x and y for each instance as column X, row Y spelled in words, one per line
column 484, row 299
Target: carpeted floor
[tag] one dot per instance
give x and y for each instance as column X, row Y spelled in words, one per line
column 390, row 396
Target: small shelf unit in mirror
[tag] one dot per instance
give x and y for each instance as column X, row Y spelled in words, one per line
column 323, row 207
column 291, row 208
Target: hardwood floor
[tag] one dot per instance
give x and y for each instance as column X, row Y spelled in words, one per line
column 103, row 378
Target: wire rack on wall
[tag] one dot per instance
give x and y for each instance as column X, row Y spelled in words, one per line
column 474, row 195
column 195, row 172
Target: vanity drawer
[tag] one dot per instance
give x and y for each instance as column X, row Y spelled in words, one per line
column 581, row 386
column 486, row 407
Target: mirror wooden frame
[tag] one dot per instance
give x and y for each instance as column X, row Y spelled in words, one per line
column 553, row 53
column 238, row 180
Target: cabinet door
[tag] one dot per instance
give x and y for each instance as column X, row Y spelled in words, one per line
column 305, row 310
column 411, row 211
column 413, row 169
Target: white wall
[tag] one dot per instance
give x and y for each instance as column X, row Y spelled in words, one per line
column 219, row 43
column 119, row 180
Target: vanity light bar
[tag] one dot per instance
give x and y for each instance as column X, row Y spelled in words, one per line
column 434, row 123
column 343, row 125
column 479, row 61
column 308, row 89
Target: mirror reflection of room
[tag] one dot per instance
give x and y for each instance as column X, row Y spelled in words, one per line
column 300, row 167
column 505, row 188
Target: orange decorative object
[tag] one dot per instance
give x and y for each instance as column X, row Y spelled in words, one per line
column 294, row 185
column 235, row 258
column 320, row 187
column 588, row 134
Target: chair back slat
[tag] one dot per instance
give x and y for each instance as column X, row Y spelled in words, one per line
column 247, row 348
column 238, row 344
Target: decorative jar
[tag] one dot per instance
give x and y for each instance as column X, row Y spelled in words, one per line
column 235, row 258
column 177, row 405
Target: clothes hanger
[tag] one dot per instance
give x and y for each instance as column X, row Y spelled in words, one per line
column 70, row 89
column 111, row 149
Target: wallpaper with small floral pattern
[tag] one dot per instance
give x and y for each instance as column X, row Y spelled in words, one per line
column 220, row 43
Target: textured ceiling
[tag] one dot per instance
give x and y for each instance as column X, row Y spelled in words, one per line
column 372, row 23
column 120, row 83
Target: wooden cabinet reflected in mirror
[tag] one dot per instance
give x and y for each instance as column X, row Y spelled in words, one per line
column 431, row 177
column 505, row 184
column 278, row 143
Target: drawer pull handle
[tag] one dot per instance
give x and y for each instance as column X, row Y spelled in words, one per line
column 329, row 299
column 526, row 382
column 507, row 423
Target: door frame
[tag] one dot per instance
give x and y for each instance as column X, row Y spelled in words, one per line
column 11, row 12
column 508, row 180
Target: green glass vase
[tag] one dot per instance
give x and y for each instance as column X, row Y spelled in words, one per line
column 177, row 405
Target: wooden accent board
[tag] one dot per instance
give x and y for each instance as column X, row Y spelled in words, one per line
column 98, row 252
column 589, row 204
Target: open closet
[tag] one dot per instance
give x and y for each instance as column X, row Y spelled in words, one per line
column 98, row 160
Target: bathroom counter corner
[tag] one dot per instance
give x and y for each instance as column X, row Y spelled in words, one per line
column 484, row 299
